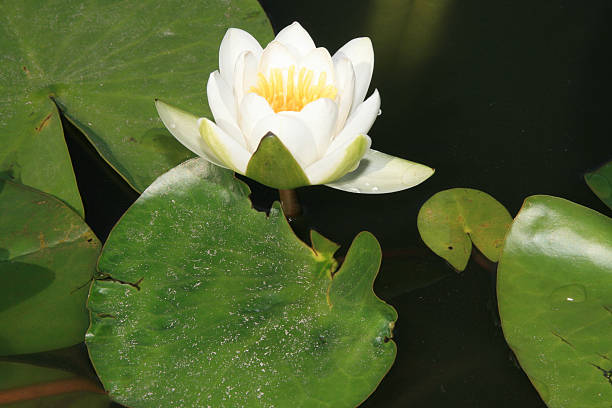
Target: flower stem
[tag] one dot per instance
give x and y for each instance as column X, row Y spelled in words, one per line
column 46, row 389
column 289, row 202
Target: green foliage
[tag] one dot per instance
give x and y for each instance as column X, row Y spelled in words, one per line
column 555, row 300
column 600, row 181
column 47, row 259
column 207, row 302
column 451, row 220
column 103, row 63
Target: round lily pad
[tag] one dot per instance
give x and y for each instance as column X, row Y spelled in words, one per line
column 103, row 63
column 203, row 301
column 451, row 220
column 47, row 260
column 555, row 300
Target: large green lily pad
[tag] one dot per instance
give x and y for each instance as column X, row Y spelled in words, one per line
column 600, row 181
column 104, row 62
column 451, row 220
column 203, row 301
column 555, row 300
column 47, row 260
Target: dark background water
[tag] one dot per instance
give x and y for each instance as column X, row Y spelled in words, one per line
column 509, row 97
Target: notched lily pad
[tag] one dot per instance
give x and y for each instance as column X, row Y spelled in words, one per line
column 555, row 300
column 600, row 181
column 451, row 220
column 47, row 260
column 231, row 308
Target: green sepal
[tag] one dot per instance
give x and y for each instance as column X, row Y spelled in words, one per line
column 273, row 165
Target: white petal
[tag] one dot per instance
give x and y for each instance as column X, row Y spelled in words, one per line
column 296, row 38
column 319, row 60
column 245, row 75
column 253, row 109
column 184, row 127
column 276, row 55
column 294, row 134
column 381, row 173
column 359, row 122
column 223, row 107
column 224, row 146
column 339, row 162
column 233, row 44
column 320, row 116
column 361, row 54
column 345, row 83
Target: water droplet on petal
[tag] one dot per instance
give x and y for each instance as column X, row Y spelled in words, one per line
column 354, row 190
column 379, row 112
column 374, row 188
column 568, row 294
column 173, row 125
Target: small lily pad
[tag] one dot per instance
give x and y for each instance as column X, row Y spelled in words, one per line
column 555, row 300
column 451, row 220
column 206, row 302
column 47, row 259
column 600, row 181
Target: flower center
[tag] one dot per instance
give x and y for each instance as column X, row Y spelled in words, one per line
column 293, row 91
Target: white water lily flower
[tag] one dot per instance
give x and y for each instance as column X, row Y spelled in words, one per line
column 292, row 115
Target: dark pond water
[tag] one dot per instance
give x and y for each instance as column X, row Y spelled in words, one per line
column 509, row 97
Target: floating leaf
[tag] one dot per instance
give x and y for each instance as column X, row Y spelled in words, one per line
column 103, row 63
column 600, row 181
column 555, row 300
column 30, row 386
column 47, row 259
column 451, row 220
column 208, row 302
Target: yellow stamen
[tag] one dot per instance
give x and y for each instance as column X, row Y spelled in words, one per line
column 293, row 92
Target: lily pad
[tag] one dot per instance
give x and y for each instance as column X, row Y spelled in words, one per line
column 555, row 300
column 451, row 220
column 600, row 181
column 207, row 302
column 103, row 63
column 47, row 259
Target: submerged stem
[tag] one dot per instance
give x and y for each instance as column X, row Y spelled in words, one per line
column 289, row 202
column 50, row 388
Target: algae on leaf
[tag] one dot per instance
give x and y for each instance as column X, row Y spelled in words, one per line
column 231, row 308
